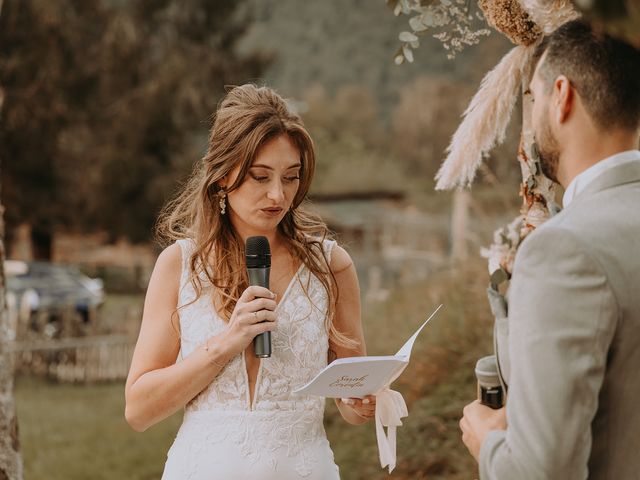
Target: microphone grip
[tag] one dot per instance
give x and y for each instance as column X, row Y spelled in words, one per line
column 489, row 386
column 262, row 342
column 491, row 396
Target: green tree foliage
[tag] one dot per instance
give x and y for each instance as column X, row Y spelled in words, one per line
column 107, row 105
column 342, row 66
column 352, row 145
column 338, row 43
column 426, row 116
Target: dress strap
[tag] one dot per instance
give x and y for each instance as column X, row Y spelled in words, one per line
column 187, row 246
column 327, row 247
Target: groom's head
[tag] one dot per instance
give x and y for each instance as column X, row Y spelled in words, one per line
column 586, row 90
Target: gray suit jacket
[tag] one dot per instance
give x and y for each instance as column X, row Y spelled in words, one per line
column 573, row 363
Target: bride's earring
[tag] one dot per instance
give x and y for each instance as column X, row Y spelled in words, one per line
column 223, row 201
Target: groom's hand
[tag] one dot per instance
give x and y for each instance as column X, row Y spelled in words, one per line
column 477, row 421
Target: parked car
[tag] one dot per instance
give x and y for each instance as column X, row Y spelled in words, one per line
column 52, row 287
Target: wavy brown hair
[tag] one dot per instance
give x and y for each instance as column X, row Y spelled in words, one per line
column 246, row 118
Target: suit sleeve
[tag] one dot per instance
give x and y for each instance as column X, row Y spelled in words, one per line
column 562, row 315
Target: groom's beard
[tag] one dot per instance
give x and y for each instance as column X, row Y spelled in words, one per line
column 548, row 152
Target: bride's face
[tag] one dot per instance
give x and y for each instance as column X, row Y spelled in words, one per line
column 268, row 190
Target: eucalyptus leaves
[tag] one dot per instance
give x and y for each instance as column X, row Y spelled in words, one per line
column 454, row 18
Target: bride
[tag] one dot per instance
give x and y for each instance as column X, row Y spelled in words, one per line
column 194, row 351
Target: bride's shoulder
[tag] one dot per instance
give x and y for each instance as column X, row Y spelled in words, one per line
column 167, row 270
column 175, row 256
column 170, row 258
column 340, row 259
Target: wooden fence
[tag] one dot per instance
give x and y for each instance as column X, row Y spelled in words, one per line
column 78, row 360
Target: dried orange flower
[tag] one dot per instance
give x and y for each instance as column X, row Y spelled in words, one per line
column 510, row 18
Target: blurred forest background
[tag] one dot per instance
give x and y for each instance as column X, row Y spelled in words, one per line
column 106, row 103
column 104, row 108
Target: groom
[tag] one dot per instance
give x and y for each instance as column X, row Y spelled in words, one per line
column 573, row 407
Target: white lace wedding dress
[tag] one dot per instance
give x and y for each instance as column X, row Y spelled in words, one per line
column 277, row 435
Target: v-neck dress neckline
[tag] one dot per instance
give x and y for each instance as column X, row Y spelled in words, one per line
column 251, row 402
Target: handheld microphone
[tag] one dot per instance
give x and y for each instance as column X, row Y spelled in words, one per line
column 258, row 258
column 489, row 387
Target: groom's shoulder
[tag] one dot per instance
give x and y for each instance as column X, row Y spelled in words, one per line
column 601, row 211
column 600, row 226
column 587, row 218
column 566, row 234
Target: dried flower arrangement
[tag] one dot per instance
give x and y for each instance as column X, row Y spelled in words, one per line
column 510, row 18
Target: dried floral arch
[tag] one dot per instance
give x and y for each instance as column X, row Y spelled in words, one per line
column 486, row 118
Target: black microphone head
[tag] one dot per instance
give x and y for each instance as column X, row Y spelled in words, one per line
column 257, row 252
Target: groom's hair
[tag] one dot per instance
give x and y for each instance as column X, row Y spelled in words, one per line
column 604, row 71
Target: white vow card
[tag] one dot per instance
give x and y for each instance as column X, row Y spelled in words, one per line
column 357, row 377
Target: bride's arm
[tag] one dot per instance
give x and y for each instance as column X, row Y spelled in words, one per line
column 348, row 321
column 157, row 386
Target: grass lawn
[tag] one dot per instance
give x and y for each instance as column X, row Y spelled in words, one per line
column 70, row 432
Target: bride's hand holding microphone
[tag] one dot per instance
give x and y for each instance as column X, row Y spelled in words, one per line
column 253, row 314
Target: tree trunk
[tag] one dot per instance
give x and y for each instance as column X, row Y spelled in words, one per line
column 10, row 461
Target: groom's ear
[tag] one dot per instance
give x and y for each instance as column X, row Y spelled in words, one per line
column 562, row 98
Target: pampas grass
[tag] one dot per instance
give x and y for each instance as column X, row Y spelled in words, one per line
column 485, row 120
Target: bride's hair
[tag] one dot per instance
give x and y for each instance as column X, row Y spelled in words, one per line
column 246, row 118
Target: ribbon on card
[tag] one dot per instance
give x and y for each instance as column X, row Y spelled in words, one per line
column 390, row 408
